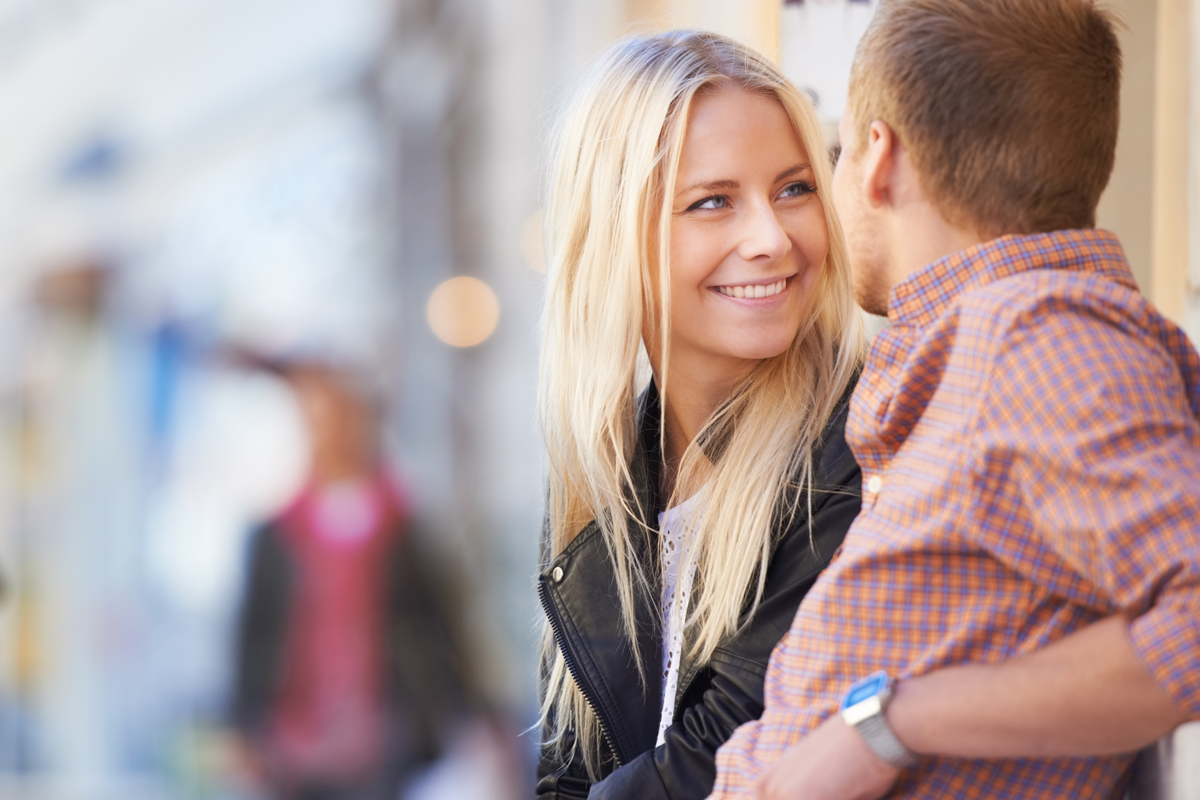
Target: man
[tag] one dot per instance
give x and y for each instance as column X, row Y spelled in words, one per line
column 1026, row 566
column 349, row 669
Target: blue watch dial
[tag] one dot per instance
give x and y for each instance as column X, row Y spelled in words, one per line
column 869, row 686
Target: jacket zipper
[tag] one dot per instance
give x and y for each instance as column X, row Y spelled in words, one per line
column 556, row 627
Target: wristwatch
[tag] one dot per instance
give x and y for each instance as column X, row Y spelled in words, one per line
column 862, row 708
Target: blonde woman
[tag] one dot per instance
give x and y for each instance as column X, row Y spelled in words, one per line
column 687, row 218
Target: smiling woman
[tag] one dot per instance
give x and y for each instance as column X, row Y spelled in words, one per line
column 687, row 518
column 748, row 237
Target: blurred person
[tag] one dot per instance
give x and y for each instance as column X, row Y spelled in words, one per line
column 687, row 517
column 350, row 674
column 1014, row 612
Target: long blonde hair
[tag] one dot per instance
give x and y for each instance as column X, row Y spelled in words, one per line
column 614, row 163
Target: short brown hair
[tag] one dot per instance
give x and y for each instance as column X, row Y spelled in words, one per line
column 1008, row 108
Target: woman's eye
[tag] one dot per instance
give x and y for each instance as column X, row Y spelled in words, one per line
column 710, row 203
column 797, row 189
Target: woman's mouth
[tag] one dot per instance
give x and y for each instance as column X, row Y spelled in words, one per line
column 754, row 291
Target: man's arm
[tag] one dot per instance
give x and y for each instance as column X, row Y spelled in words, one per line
column 1121, row 510
column 1087, row 694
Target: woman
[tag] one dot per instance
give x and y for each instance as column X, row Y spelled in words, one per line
column 684, row 525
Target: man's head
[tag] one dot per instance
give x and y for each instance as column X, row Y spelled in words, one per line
column 341, row 418
column 1008, row 109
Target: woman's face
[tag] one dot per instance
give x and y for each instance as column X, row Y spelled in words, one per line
column 748, row 236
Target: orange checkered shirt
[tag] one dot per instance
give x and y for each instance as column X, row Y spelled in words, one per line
column 1029, row 439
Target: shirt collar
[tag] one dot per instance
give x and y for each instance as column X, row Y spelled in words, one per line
column 921, row 298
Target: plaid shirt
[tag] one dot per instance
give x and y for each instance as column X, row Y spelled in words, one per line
column 1029, row 439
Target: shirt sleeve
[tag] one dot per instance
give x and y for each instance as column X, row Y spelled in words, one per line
column 737, row 769
column 1089, row 430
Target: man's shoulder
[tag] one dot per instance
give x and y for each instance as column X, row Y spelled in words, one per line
column 1063, row 333
column 1049, row 292
column 1005, row 311
column 1040, row 331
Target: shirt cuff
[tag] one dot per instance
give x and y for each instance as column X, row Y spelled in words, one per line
column 1167, row 640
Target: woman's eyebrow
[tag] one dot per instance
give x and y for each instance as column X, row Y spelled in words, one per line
column 710, row 186
column 731, row 184
column 789, row 172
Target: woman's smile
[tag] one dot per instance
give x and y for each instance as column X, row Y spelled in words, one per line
column 754, row 290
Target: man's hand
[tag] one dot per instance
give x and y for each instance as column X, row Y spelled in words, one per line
column 831, row 763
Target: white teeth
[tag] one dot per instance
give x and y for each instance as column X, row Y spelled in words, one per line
column 759, row 290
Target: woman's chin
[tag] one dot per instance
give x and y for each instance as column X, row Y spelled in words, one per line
column 765, row 348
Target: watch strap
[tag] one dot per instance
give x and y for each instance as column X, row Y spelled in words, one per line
column 863, row 708
column 878, row 735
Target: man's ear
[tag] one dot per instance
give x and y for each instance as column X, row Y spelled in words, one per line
column 879, row 163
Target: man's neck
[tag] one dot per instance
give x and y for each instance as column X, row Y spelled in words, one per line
column 921, row 235
column 917, row 232
column 343, row 465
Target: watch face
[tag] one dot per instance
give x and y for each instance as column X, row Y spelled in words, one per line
column 865, row 688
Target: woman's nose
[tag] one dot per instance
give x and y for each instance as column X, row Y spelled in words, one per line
column 763, row 238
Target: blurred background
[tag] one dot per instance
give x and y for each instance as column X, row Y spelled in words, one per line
column 270, row 278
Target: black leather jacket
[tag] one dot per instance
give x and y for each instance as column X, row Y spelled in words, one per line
column 577, row 590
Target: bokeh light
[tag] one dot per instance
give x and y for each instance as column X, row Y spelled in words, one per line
column 463, row 311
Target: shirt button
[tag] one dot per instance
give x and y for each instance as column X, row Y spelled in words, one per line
column 557, row 574
column 874, row 484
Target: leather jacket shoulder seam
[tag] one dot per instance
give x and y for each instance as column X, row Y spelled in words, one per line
column 578, row 543
column 738, row 661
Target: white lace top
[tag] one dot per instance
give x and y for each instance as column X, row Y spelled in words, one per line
column 675, row 536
